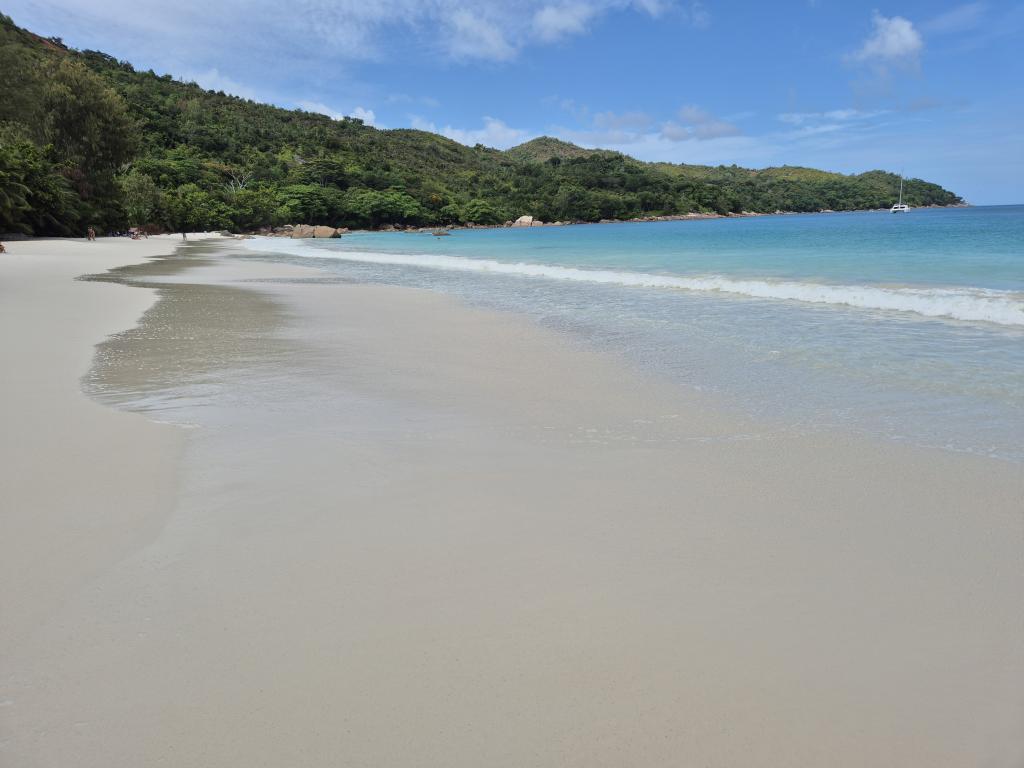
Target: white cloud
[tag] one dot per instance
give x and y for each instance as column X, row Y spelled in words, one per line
column 353, row 29
column 213, row 80
column 366, row 115
column 470, row 36
column 319, row 108
column 553, row 22
column 893, row 40
column 494, row 133
column 652, row 7
column 418, row 123
column 604, row 128
column 696, row 123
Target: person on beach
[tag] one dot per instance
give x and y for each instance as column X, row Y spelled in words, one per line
column 90, row 234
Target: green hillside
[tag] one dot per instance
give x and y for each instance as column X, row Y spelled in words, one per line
column 544, row 148
column 88, row 140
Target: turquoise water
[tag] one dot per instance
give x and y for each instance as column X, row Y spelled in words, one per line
column 909, row 326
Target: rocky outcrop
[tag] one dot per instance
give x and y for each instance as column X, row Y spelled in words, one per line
column 298, row 231
column 526, row 221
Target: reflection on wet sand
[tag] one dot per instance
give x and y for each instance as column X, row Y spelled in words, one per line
column 193, row 331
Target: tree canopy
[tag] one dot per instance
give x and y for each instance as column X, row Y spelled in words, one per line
column 88, row 140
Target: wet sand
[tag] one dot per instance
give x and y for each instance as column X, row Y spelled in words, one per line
column 406, row 532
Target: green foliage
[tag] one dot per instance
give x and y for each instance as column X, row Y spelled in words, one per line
column 370, row 208
column 479, row 212
column 325, row 171
column 86, row 123
column 34, row 197
column 546, row 149
column 310, row 203
column 69, row 132
column 73, row 123
column 142, row 198
column 258, row 206
column 191, row 209
column 14, row 193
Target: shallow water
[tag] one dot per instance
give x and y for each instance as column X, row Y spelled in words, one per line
column 910, row 327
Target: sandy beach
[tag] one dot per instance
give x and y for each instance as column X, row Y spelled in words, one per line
column 255, row 515
column 82, row 484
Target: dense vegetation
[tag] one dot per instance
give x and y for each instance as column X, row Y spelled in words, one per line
column 87, row 140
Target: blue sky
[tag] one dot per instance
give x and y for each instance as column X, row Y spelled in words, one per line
column 933, row 88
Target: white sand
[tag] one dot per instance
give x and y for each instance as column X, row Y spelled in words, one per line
column 82, row 484
column 422, row 535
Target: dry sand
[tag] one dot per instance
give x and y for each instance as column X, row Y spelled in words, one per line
column 82, row 484
column 408, row 533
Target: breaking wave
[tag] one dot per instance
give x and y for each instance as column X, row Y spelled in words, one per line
column 966, row 304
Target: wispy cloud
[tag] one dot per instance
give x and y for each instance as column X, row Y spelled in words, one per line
column 960, row 19
column 553, row 22
column 494, row 30
column 473, row 36
column 601, row 128
column 697, row 15
column 405, row 98
column 807, row 124
column 619, row 129
column 579, row 111
column 834, row 115
column 614, row 121
column 977, row 25
column 695, row 123
column 825, row 138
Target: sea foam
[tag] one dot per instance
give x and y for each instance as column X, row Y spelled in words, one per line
column 966, row 304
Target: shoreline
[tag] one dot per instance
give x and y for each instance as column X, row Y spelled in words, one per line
column 402, row 514
column 267, row 231
column 415, row 229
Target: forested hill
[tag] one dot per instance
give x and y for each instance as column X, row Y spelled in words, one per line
column 88, row 140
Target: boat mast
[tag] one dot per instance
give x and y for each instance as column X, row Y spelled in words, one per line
column 901, row 189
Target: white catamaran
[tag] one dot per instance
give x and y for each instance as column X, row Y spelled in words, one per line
column 900, row 207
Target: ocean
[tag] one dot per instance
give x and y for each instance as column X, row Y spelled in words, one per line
column 909, row 327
